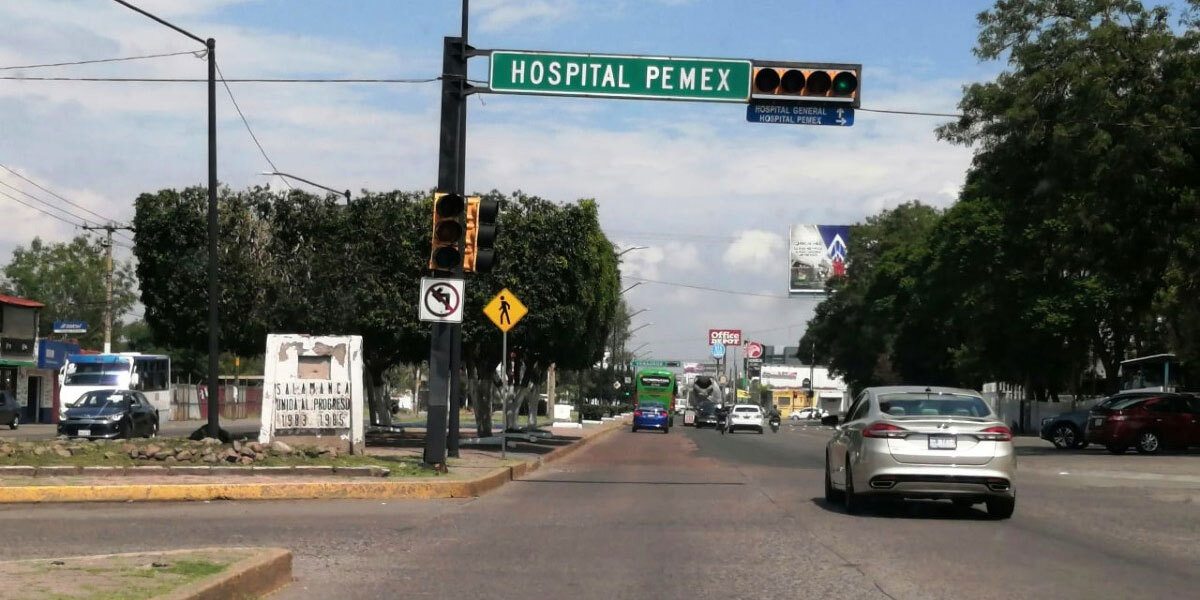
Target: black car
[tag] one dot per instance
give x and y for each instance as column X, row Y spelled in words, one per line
column 706, row 414
column 1068, row 430
column 110, row 414
column 10, row 412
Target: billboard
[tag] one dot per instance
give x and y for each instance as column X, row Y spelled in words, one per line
column 729, row 337
column 816, row 253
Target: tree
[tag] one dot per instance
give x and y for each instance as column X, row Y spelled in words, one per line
column 70, row 279
column 1081, row 159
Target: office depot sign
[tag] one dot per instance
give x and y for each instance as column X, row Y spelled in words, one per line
column 729, row 337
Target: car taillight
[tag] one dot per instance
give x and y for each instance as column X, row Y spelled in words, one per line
column 885, row 430
column 998, row 433
column 637, row 413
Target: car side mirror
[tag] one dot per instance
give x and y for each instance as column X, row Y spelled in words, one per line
column 831, row 420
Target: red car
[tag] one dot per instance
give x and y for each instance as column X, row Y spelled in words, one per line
column 1147, row 423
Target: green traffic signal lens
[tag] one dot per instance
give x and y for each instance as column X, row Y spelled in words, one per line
column 766, row 81
column 845, row 83
column 447, row 257
column 793, row 81
column 818, row 83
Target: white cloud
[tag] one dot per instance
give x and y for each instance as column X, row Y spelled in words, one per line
column 756, row 251
column 500, row 15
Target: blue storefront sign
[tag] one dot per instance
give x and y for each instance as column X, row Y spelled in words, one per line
column 53, row 355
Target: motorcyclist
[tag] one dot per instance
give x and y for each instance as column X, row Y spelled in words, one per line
column 774, row 418
column 722, row 418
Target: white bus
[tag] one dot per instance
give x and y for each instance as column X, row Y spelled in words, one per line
column 149, row 374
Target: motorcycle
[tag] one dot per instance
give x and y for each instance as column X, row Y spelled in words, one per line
column 721, row 418
column 774, row 423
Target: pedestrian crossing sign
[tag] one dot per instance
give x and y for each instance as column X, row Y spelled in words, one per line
column 505, row 310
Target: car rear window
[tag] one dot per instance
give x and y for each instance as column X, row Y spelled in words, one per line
column 1126, row 403
column 933, row 405
column 650, row 407
column 745, row 409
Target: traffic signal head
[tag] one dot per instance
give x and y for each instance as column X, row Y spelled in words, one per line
column 448, row 217
column 817, row 82
column 479, row 255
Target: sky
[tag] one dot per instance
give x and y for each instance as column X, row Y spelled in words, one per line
column 709, row 195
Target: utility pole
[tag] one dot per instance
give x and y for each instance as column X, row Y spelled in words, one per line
column 108, row 279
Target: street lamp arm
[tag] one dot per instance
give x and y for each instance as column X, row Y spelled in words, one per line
column 162, row 21
column 631, row 287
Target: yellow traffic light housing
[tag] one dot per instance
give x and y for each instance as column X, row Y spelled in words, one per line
column 808, row 82
column 448, row 229
column 479, row 254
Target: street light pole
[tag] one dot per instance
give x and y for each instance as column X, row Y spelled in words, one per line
column 631, row 287
column 214, row 323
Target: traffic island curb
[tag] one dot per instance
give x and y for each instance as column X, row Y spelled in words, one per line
column 316, row 490
column 259, row 575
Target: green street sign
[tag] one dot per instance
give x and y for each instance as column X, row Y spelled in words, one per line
column 656, row 363
column 614, row 76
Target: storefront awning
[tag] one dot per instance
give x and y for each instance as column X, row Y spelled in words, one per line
column 4, row 362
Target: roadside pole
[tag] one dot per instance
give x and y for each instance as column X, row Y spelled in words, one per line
column 504, row 395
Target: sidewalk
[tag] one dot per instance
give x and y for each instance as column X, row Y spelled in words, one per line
column 476, row 471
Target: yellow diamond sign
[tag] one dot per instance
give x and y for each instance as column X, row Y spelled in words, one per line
column 505, row 310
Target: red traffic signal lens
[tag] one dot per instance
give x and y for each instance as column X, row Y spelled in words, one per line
column 793, row 81
column 766, row 80
column 450, row 205
column 845, row 83
column 447, row 232
column 447, row 257
column 819, row 83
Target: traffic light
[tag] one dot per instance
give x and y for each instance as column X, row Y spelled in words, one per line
column 448, row 217
column 479, row 256
column 815, row 82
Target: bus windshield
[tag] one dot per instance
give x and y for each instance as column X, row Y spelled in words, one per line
column 97, row 373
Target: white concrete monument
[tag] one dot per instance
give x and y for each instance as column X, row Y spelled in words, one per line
column 313, row 391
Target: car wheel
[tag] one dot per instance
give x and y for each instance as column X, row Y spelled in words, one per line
column 852, row 501
column 667, row 429
column 760, row 430
column 1064, row 436
column 153, row 430
column 635, row 428
column 832, row 495
column 1115, row 449
column 1149, row 443
column 1001, row 508
column 124, row 431
column 16, row 422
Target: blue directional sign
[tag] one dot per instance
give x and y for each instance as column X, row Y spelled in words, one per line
column 70, row 327
column 718, row 351
column 791, row 113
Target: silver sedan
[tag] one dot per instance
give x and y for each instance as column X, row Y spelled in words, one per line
column 921, row 442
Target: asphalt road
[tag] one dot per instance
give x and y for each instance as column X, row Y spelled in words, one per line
column 692, row 514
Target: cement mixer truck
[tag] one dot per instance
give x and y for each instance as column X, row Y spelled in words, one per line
column 704, row 397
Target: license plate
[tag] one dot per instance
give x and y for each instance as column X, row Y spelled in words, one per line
column 1098, row 422
column 85, row 432
column 943, row 442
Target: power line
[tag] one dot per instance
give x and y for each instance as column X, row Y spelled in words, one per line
column 39, row 186
column 910, row 112
column 247, row 123
column 48, row 214
column 100, row 60
column 747, row 332
column 43, row 202
column 710, row 289
column 195, row 80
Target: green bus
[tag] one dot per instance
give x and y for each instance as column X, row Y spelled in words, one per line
column 657, row 386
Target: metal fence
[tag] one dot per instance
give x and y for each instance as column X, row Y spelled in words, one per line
column 190, row 402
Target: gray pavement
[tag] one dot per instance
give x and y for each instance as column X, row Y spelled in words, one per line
column 692, row 514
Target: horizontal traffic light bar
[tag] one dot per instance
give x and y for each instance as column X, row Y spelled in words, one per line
column 807, row 82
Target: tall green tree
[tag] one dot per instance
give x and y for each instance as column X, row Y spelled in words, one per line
column 1079, row 159
column 70, row 279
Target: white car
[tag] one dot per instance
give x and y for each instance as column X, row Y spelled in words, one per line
column 745, row 416
column 810, row 413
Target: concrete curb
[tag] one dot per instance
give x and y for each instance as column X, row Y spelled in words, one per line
column 324, row 490
column 256, row 576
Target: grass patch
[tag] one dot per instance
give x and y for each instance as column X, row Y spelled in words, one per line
column 194, row 569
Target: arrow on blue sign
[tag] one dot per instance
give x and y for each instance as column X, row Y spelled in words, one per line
column 791, row 113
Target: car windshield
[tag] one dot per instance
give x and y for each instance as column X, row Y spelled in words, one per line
column 1125, row 403
column 99, row 400
column 920, row 404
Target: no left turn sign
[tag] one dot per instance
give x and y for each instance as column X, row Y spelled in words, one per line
column 441, row 300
